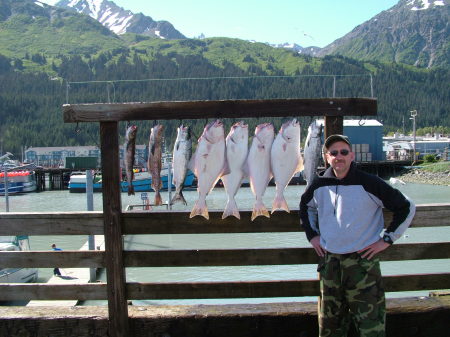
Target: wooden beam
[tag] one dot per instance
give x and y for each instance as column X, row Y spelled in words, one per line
column 52, row 223
column 191, row 290
column 112, row 213
column 209, row 257
column 45, row 291
column 103, row 112
column 50, row 259
column 178, row 222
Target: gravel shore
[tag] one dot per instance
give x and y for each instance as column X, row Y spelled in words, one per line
column 426, row 177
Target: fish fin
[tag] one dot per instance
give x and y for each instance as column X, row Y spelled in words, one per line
column 191, row 164
column 245, row 169
column 280, row 204
column 259, row 210
column 178, row 197
column 231, row 209
column 130, row 189
column 158, row 199
column 200, row 208
column 226, row 168
column 300, row 166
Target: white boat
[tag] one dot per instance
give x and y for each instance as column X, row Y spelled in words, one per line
column 16, row 275
column 18, row 182
column 77, row 182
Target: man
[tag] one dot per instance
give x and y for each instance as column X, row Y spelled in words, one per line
column 56, row 270
column 341, row 212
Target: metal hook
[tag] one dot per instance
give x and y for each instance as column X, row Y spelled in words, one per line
column 77, row 129
column 360, row 122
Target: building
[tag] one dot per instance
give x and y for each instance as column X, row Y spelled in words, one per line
column 366, row 137
column 402, row 147
column 55, row 156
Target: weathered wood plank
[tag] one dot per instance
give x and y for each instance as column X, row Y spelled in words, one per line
column 102, row 112
column 112, row 216
column 209, row 257
column 178, row 222
column 65, row 259
column 270, row 256
column 51, row 223
column 43, row 291
column 178, row 290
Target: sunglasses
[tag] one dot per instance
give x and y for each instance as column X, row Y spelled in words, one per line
column 343, row 152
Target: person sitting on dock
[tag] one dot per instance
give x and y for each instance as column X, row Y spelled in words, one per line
column 341, row 212
column 56, row 270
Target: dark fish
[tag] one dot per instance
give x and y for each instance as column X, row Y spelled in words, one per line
column 130, row 150
column 154, row 163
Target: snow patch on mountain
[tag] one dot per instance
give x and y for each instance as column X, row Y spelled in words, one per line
column 420, row 5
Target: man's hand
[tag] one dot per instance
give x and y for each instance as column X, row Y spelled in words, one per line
column 373, row 249
column 315, row 242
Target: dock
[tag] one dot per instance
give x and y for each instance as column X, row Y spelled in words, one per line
column 70, row 276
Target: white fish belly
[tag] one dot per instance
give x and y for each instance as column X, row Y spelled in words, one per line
column 209, row 163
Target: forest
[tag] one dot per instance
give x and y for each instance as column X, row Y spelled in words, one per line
column 31, row 102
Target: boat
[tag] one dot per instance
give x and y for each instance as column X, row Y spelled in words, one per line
column 16, row 275
column 18, row 182
column 77, row 182
column 142, row 181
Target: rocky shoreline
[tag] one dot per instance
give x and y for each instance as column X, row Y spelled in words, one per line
column 425, row 177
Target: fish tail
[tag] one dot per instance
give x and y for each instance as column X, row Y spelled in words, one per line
column 231, row 209
column 130, row 189
column 280, row 204
column 178, row 197
column 158, row 199
column 259, row 210
column 200, row 208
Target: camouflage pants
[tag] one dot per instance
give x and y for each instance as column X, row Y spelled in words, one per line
column 351, row 290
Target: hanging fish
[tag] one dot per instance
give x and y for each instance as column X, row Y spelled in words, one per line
column 312, row 152
column 236, row 152
column 130, row 150
column 182, row 152
column 208, row 164
column 286, row 160
column 154, row 163
column 258, row 166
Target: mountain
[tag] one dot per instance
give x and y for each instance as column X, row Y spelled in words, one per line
column 312, row 50
column 122, row 21
column 31, row 27
column 414, row 32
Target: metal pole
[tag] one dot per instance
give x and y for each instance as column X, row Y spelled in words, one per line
column 169, row 182
column 334, row 86
column 5, row 180
column 90, row 207
column 413, row 117
column 371, row 85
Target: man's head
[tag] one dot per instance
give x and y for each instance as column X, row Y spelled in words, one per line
column 53, row 246
column 338, row 154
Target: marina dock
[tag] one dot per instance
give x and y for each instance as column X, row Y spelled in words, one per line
column 70, row 276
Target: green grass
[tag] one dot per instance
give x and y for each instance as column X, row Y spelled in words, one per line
column 438, row 167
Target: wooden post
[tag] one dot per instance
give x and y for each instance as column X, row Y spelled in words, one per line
column 112, row 215
column 333, row 125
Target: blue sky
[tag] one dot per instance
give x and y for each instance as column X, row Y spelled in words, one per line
column 305, row 22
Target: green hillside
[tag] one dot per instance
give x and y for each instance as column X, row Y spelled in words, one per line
column 44, row 51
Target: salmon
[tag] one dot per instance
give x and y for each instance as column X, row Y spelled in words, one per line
column 130, row 150
column 154, row 163
column 182, row 152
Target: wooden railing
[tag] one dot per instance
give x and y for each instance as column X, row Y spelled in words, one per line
column 91, row 223
column 114, row 223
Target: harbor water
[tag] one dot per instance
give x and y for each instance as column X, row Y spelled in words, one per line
column 62, row 201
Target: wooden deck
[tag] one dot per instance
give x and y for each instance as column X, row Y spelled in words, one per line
column 113, row 224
